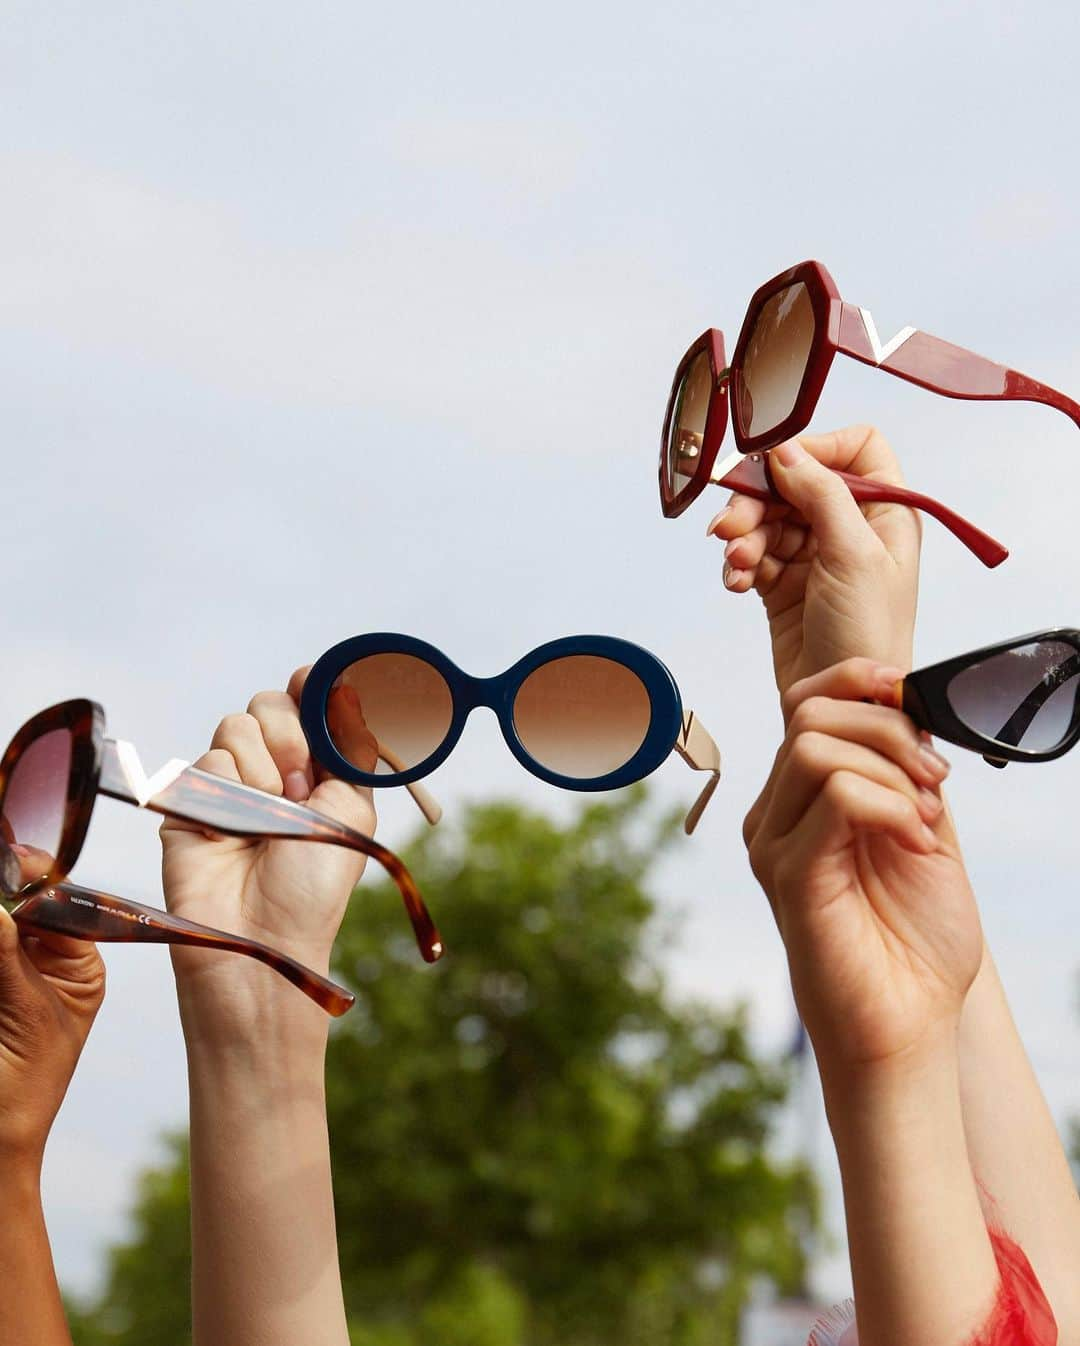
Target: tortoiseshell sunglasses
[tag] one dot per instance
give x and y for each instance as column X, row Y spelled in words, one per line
column 794, row 326
column 583, row 713
column 50, row 776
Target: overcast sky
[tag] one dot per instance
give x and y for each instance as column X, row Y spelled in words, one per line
column 348, row 318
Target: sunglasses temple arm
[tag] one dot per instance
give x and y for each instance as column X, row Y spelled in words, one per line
column 941, row 367
column 235, row 809
column 752, row 476
column 85, row 913
column 696, row 746
column 987, row 549
column 425, row 802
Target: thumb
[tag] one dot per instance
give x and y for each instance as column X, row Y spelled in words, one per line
column 821, row 497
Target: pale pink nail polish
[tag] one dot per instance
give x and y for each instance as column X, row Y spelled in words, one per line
column 715, row 523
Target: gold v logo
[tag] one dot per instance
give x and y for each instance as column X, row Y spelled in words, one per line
column 882, row 353
column 144, row 787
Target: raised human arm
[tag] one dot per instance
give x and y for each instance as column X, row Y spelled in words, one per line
column 850, row 841
column 265, row 1265
column 835, row 584
column 50, row 991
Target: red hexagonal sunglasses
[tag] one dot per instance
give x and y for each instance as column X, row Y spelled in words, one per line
column 794, row 325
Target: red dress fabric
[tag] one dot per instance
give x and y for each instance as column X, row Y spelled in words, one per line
column 1021, row 1315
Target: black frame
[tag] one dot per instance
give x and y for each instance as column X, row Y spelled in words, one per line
column 924, row 697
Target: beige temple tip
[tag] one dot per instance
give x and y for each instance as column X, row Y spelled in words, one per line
column 425, row 802
column 694, row 816
column 696, row 746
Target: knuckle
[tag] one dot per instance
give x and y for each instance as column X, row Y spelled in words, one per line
column 807, row 715
column 757, row 854
column 750, row 826
column 237, row 726
column 790, row 700
column 263, row 701
column 837, row 790
column 808, row 750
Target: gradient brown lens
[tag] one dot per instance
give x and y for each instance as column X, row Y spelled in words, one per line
column 686, row 432
column 767, row 383
column 1022, row 697
column 582, row 716
column 34, row 808
column 394, row 705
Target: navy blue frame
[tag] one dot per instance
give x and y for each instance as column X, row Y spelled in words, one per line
column 498, row 693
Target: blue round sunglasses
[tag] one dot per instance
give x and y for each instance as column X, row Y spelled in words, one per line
column 583, row 713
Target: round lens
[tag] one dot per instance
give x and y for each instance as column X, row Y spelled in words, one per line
column 34, row 808
column 389, row 712
column 1023, row 697
column 686, row 430
column 775, row 361
column 582, row 716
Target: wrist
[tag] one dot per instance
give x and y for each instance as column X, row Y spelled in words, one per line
column 903, row 1087
column 20, row 1173
column 251, row 1022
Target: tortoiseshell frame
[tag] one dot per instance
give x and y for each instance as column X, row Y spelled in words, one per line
column 915, row 356
column 241, row 810
column 924, row 696
column 85, row 913
column 49, row 903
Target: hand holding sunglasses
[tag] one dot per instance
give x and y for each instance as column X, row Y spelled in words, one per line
column 751, row 474
column 793, row 327
column 583, row 713
column 50, row 776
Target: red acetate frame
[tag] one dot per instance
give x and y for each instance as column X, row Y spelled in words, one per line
column 750, row 474
column 914, row 356
column 49, row 903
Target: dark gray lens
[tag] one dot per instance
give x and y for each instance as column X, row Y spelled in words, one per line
column 1023, row 697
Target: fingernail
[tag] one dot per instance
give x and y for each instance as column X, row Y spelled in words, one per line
column 336, row 683
column 715, row 524
column 296, row 787
column 731, row 547
column 16, row 849
column 931, row 801
column 934, row 761
column 929, row 836
column 790, row 453
column 730, row 576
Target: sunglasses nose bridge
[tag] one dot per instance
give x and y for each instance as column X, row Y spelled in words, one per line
column 487, row 692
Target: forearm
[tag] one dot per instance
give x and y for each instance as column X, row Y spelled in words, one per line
column 264, row 1243
column 1015, row 1149
column 31, row 1312
column 922, row 1265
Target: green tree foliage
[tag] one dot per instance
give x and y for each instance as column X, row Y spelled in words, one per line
column 533, row 1145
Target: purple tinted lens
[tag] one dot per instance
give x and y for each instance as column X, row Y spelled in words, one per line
column 34, row 806
column 1023, row 697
